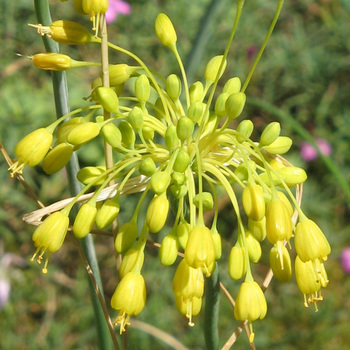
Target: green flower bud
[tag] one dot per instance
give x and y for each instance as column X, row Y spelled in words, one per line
column 207, row 201
column 107, row 97
column 171, row 139
column 280, row 263
column 237, row 265
column 184, row 128
column 196, row 111
column 57, row 158
column 168, row 249
column 196, row 92
column 241, row 172
column 270, row 133
column 84, row 220
column 64, row 129
column 178, row 178
column 89, row 174
column 112, row 135
column 200, row 250
column 126, row 237
column 83, row 133
column 212, row 68
column 147, row 167
column 136, row 118
column 49, row 236
column 292, row 175
column 182, row 161
column 165, row 30
column 280, row 146
column 253, row 246
column 310, row 242
column 220, row 104
column 142, row 88
column 107, row 213
column 179, row 191
column 159, row 109
column 235, row 104
column 120, row 73
column 232, row 86
column 160, row 181
column 245, row 128
column 157, row 213
column 254, row 202
column 133, row 257
column 182, row 231
column 128, row 134
column 258, row 228
column 173, row 87
column 148, row 133
column 278, row 222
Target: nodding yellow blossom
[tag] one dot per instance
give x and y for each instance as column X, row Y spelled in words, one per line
column 254, row 202
column 49, row 236
column 94, row 8
column 189, row 307
column 31, row 150
column 129, row 298
column 280, row 262
column 84, row 220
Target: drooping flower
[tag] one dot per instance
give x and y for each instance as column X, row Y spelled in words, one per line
column 115, row 8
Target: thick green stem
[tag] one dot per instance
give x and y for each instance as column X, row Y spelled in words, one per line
column 60, row 88
column 211, row 313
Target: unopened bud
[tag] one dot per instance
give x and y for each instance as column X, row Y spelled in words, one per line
column 171, row 139
column 84, row 220
column 57, row 158
column 280, row 146
column 136, row 118
column 196, row 92
column 182, row 161
column 270, row 133
column 232, row 86
column 107, row 97
column 173, row 87
column 160, row 181
column 107, row 213
column 245, row 128
column 165, row 30
column 142, row 88
column 168, row 249
column 112, row 135
column 207, row 201
column 90, row 174
column 128, row 134
column 212, row 68
column 184, row 128
column 196, row 111
column 83, row 133
column 126, row 237
column 147, row 167
column 157, row 213
column 235, row 104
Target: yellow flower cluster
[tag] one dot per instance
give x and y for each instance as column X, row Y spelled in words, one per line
column 183, row 146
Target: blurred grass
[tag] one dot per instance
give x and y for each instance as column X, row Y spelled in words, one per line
column 305, row 71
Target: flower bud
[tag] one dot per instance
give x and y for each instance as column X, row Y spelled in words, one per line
column 178, row 178
column 129, row 298
column 70, row 33
column 157, row 213
column 84, row 220
column 168, row 249
column 171, row 139
column 52, row 61
column 235, row 104
column 245, row 128
column 232, row 86
column 120, row 73
column 107, row 213
column 64, row 129
column 200, row 250
column 112, row 135
column 133, row 258
column 165, row 30
column 237, row 265
column 89, row 174
column 136, row 118
column 50, row 236
column 182, row 161
column 270, row 133
column 183, row 230
column 31, row 149
column 310, row 242
column 107, row 97
column 57, row 158
column 280, row 263
column 142, row 88
column 253, row 246
column 254, row 202
column 278, row 222
column 173, row 86
column 184, row 128
column 258, row 228
column 286, row 201
column 147, row 167
column 126, row 237
column 83, row 133
column 196, row 111
column 160, row 181
column 128, row 134
column 196, row 92
column 212, row 68
column 179, row 191
column 207, row 201
column 148, row 133
column 293, row 175
column 280, row 146
column 220, row 104
column 217, row 243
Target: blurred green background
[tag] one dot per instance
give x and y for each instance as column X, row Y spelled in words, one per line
column 305, row 72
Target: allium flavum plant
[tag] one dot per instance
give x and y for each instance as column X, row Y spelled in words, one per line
column 180, row 146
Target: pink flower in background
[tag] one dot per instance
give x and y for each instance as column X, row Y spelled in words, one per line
column 115, row 8
column 309, row 152
column 345, row 259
